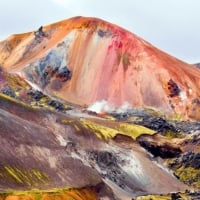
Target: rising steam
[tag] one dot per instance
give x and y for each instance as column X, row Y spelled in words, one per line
column 103, row 106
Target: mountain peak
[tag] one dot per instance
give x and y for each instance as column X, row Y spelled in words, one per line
column 85, row 60
column 53, row 83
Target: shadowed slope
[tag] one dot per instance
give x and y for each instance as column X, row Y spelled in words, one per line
column 62, row 151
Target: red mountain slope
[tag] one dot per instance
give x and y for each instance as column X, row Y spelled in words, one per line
column 84, row 60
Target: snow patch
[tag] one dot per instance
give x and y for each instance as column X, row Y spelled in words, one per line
column 103, row 106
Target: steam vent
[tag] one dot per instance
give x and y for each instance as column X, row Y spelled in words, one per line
column 91, row 111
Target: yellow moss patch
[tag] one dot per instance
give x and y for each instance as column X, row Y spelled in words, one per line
column 101, row 131
column 13, row 100
column 104, row 132
column 13, row 174
column 77, row 128
column 134, row 130
column 153, row 111
column 26, row 177
column 189, row 175
column 17, row 82
column 164, row 197
column 154, row 197
column 42, row 103
column 68, row 121
column 109, row 117
column 171, row 134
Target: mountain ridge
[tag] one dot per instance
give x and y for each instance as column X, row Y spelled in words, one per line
column 144, row 140
column 114, row 65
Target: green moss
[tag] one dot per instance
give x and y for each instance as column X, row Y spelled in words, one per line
column 13, row 174
column 45, row 103
column 189, row 175
column 153, row 111
column 32, row 177
column 183, row 196
column 16, row 82
column 154, row 197
column 104, row 132
column 13, row 100
column 163, row 197
column 171, row 134
column 68, row 121
column 109, row 117
column 77, row 127
column 134, row 131
column 42, row 103
column 36, row 193
column 101, row 132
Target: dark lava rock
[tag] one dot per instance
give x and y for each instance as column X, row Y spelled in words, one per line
column 107, row 162
column 65, row 74
column 120, row 116
column 9, row 92
column 106, row 159
column 191, row 159
column 197, row 65
column 175, row 196
column 36, row 95
column 158, row 124
column 186, row 126
column 163, row 151
column 57, row 105
column 39, row 34
column 103, row 158
column 173, row 88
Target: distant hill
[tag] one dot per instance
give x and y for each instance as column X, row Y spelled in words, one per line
column 197, row 65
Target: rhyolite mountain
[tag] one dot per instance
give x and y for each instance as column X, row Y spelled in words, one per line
column 84, row 60
column 53, row 147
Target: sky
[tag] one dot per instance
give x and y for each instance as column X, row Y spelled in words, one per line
column 171, row 25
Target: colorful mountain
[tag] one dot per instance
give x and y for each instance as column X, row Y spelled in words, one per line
column 91, row 111
column 87, row 60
